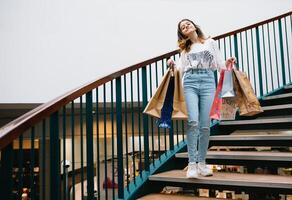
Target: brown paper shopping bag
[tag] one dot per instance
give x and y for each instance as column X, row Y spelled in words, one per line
column 246, row 99
column 155, row 104
column 179, row 104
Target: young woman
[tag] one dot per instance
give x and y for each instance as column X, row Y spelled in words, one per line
column 200, row 56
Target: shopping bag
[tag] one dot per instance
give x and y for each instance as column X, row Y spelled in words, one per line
column 179, row 104
column 156, row 103
column 166, row 111
column 227, row 87
column 229, row 106
column 217, row 102
column 246, row 99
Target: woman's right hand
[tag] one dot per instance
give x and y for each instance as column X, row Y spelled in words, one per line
column 171, row 64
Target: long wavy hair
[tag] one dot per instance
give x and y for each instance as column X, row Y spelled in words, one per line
column 185, row 43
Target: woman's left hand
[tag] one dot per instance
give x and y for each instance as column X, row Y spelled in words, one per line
column 230, row 60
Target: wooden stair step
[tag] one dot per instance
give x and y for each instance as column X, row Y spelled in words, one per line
column 245, row 155
column 275, row 120
column 251, row 137
column 174, row 197
column 277, row 99
column 277, row 107
column 288, row 87
column 227, row 179
column 279, row 96
column 282, row 139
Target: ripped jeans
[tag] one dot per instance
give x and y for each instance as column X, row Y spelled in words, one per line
column 199, row 90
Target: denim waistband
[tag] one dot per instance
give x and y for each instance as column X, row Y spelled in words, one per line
column 199, row 71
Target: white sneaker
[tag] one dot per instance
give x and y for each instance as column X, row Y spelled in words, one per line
column 204, row 170
column 192, row 170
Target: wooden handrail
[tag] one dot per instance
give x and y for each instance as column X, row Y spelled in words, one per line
column 13, row 129
column 252, row 26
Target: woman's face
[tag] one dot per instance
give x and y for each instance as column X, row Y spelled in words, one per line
column 187, row 28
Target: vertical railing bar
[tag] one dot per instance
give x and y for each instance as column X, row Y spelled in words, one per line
column 158, row 129
column 113, row 141
column 259, row 61
column 247, row 57
column 288, row 57
column 139, row 123
column 224, row 42
column 20, row 173
column 54, row 157
column 81, row 147
column 73, row 148
column 241, row 50
column 89, row 146
column 265, row 59
column 236, row 48
column 253, row 62
column 119, row 127
column 6, row 171
column 152, row 128
column 32, row 155
column 272, row 77
column 145, row 119
column 97, row 146
column 133, row 130
column 126, row 129
column 64, row 154
column 230, row 49
column 282, row 51
column 105, row 142
column 277, row 66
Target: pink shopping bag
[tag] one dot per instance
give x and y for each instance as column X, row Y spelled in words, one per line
column 216, row 106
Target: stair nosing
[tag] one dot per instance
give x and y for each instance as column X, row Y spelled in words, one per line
column 279, row 96
column 233, row 155
column 210, row 181
column 258, row 121
column 250, row 137
column 277, row 107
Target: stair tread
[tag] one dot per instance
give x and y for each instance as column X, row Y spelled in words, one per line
column 258, row 121
column 279, row 96
column 288, row 87
column 174, row 197
column 231, row 179
column 249, row 155
column 277, row 107
column 251, row 137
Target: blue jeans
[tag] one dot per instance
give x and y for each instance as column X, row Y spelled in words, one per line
column 199, row 90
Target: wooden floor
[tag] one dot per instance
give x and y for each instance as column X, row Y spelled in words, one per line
column 174, row 197
column 230, row 179
column 245, row 155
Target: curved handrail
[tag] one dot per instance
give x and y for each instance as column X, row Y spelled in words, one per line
column 13, row 129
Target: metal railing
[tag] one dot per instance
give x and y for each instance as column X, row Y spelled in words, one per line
column 95, row 143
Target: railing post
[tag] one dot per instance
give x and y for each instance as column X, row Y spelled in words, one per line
column 236, row 48
column 54, row 157
column 89, row 146
column 259, row 61
column 6, row 182
column 119, row 138
column 282, row 51
column 145, row 119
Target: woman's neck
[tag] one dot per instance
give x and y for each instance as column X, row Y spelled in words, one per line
column 195, row 39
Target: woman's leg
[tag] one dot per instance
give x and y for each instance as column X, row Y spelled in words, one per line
column 191, row 98
column 207, row 92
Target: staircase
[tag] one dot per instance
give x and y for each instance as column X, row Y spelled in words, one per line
column 93, row 142
column 261, row 150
